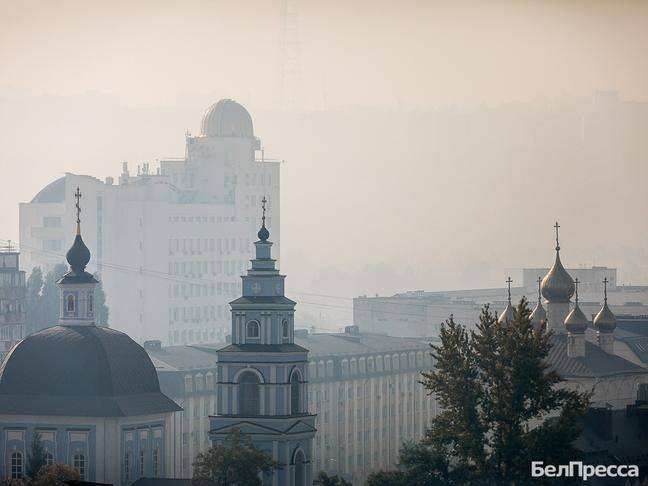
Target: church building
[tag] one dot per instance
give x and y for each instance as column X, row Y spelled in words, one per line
column 263, row 374
column 90, row 392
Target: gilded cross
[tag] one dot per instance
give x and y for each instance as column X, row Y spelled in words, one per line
column 77, row 196
column 556, row 226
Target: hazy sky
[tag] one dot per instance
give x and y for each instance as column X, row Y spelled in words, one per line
column 346, row 92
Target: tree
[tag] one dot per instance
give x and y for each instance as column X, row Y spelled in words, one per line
column 101, row 309
column 324, row 479
column 502, row 408
column 55, row 475
column 36, row 456
column 33, row 307
column 237, row 462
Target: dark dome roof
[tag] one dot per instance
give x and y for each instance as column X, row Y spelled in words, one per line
column 80, row 370
column 557, row 285
column 227, row 118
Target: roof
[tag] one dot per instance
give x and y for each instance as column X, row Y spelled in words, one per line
column 52, row 193
column 263, row 300
column 80, row 371
column 263, row 348
column 171, row 482
column 363, row 343
column 175, row 358
column 227, row 118
column 595, row 363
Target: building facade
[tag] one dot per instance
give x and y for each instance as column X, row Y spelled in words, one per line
column 13, row 294
column 363, row 388
column 169, row 243
column 91, row 393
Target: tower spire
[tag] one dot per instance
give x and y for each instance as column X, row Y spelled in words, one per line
column 557, row 226
column 263, row 233
column 605, row 282
column 576, row 282
column 508, row 281
column 77, row 196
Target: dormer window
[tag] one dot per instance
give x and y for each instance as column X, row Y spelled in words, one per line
column 284, row 328
column 253, row 330
column 70, row 304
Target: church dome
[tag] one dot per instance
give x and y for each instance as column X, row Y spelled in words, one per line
column 508, row 314
column 605, row 321
column 557, row 285
column 538, row 316
column 80, row 371
column 576, row 322
column 227, row 118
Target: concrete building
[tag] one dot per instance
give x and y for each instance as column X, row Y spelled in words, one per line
column 363, row 387
column 90, row 392
column 171, row 242
column 13, row 294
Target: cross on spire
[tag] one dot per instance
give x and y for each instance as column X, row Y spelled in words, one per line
column 263, row 206
column 77, row 196
column 605, row 282
column 539, row 288
column 576, row 282
column 508, row 281
column 556, row 226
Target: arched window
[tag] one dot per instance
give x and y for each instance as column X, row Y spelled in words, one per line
column 70, row 303
column 253, row 330
column 209, row 380
column 156, row 462
column 295, row 393
column 49, row 459
column 249, row 394
column 300, row 469
column 16, row 465
column 284, row 328
column 79, row 463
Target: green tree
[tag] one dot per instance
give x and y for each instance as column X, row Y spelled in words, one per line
column 35, row 456
column 237, row 462
column 33, row 305
column 101, row 309
column 50, row 296
column 55, row 475
column 502, row 408
column 324, row 479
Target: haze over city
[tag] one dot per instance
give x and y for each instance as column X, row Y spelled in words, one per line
column 425, row 147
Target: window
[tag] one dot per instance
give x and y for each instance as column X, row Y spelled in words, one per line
column 209, row 378
column 300, row 470
column 284, row 328
column 70, row 303
column 249, row 395
column 295, row 393
column 90, row 303
column 253, row 330
column 127, row 465
column 52, row 222
column 49, row 459
column 156, row 462
column 79, row 463
column 188, row 384
column 141, row 463
column 16, row 465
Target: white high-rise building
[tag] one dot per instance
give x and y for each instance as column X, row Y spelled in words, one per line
column 170, row 243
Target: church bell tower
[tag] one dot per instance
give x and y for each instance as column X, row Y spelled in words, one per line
column 263, row 374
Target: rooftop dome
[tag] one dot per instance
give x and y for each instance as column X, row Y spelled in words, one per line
column 227, row 118
column 576, row 322
column 509, row 313
column 80, row 371
column 538, row 316
column 605, row 320
column 557, row 285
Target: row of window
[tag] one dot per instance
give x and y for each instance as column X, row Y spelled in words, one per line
column 253, row 329
column 190, row 290
column 205, row 245
column 200, row 268
column 128, row 463
column 189, row 336
column 17, row 464
column 371, row 364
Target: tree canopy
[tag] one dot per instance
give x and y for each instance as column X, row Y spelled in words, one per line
column 236, row 462
column 501, row 408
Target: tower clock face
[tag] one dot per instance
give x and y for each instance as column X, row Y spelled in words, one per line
column 256, row 288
